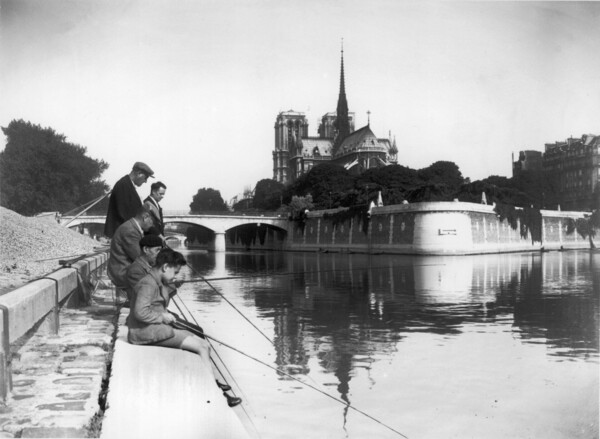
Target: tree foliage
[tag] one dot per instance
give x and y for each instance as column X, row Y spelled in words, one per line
column 245, row 205
column 331, row 186
column 207, row 200
column 40, row 171
column 442, row 172
column 326, row 183
column 299, row 205
column 268, row 194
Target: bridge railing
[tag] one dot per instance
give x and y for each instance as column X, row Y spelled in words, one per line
column 267, row 213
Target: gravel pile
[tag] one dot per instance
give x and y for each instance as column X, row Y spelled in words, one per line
column 26, row 243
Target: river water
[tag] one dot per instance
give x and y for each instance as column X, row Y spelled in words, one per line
column 493, row 346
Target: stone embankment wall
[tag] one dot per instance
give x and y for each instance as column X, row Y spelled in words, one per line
column 433, row 228
column 53, row 357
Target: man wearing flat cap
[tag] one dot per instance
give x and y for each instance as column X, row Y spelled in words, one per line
column 124, row 200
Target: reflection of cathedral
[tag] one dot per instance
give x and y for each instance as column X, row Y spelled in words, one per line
column 296, row 152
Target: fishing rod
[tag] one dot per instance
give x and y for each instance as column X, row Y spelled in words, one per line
column 183, row 324
column 96, row 201
column 227, row 300
column 84, row 205
column 289, row 273
column 76, row 257
column 197, row 330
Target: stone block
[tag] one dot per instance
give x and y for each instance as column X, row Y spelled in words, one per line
column 56, row 432
column 74, row 396
column 63, row 406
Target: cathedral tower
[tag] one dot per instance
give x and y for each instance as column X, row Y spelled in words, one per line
column 290, row 126
column 342, row 122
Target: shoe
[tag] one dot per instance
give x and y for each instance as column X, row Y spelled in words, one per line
column 232, row 401
column 224, row 387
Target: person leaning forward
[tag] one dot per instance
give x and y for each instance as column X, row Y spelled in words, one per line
column 124, row 200
column 125, row 246
column 150, row 245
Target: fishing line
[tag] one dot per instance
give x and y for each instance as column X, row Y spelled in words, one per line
column 289, row 273
column 302, row 382
column 227, row 300
column 213, row 351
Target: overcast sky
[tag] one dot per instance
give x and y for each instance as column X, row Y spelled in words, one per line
column 193, row 87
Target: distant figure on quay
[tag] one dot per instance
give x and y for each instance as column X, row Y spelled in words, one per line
column 124, row 200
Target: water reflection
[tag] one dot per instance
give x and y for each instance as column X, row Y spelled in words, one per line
column 347, row 310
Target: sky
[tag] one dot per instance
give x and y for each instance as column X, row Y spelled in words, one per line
column 193, row 88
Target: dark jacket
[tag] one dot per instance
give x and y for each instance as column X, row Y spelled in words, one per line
column 150, row 300
column 123, row 204
column 158, row 225
column 135, row 272
column 124, row 249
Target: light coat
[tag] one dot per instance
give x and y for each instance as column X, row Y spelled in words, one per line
column 124, row 249
column 149, row 302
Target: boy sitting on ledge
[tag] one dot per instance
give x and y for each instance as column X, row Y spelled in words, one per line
column 149, row 321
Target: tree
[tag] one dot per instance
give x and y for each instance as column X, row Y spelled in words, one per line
column 497, row 190
column 208, row 200
column 40, row 171
column 394, row 181
column 446, row 173
column 327, row 183
column 268, row 194
column 299, row 205
column 244, row 205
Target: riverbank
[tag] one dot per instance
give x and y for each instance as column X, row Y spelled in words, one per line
column 60, row 368
column 57, row 379
column 31, row 247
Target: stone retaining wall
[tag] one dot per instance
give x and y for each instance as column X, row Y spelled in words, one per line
column 435, row 228
column 23, row 308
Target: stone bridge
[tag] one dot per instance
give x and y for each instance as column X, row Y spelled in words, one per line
column 218, row 224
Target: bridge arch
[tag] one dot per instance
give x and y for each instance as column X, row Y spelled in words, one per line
column 222, row 226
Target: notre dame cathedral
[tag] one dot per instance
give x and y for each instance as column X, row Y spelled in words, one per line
column 296, row 152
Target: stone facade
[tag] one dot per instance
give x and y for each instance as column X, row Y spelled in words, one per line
column 575, row 164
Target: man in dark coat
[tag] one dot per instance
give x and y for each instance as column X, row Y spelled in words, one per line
column 124, row 200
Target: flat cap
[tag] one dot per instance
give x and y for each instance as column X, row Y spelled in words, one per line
column 151, row 241
column 141, row 166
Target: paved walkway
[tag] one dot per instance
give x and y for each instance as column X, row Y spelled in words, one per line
column 57, row 379
column 160, row 393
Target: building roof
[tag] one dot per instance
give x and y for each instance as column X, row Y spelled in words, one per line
column 316, row 146
column 360, row 140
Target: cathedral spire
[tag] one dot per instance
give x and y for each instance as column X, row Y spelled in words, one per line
column 342, row 123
